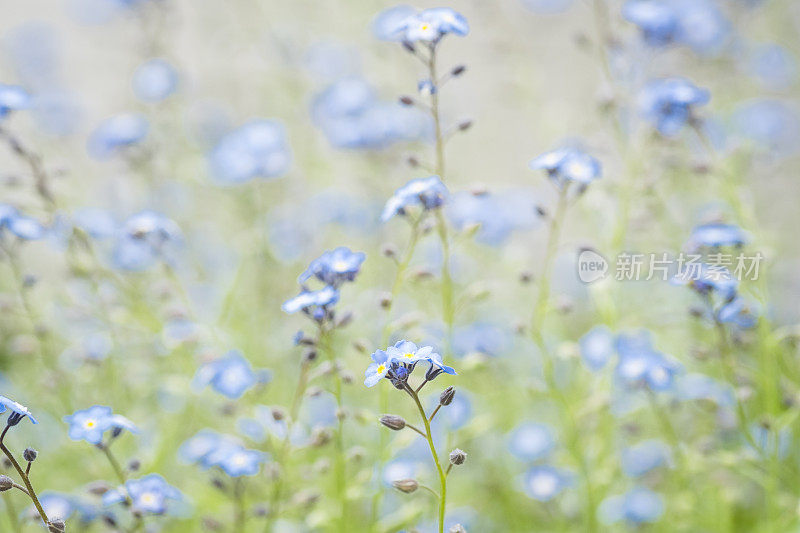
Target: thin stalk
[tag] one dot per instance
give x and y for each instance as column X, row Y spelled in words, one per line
column 448, row 308
column 239, row 511
column 340, row 466
column 429, row 438
column 23, row 476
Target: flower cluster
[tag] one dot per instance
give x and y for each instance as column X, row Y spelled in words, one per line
column 257, row 149
column 91, row 424
column 406, row 24
column 210, row 449
column 397, row 362
column 428, row 193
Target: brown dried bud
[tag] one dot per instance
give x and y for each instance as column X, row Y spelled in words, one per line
column 6, row 483
column 393, row 422
column 458, row 70
column 405, row 485
column 447, row 395
column 406, row 100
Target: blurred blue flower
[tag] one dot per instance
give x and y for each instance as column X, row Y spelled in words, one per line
column 92, row 423
column 656, row 19
column 197, row 447
column 567, row 165
column 116, row 133
column 716, row 235
column 258, row 149
column 242, row 462
column 773, row 66
column 311, row 301
column 429, row 25
column 154, row 80
column 481, row 337
column 738, row 312
column 531, row 441
column 231, row 375
column 149, row 494
column 639, row 505
column 334, row 267
column 350, row 115
column 57, row 505
column 13, row 98
column 497, row 214
column 210, row 449
column 641, row 458
column 545, row 482
column 669, row 104
column 597, row 347
column 428, row 192
column 771, row 124
column 695, row 386
column 18, row 411
column 640, row 365
column 98, row 223
column 547, row 7
column 144, row 238
column 19, row 225
column 708, row 280
column 698, row 24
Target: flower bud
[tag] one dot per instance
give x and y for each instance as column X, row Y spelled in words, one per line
column 406, row 100
column 447, row 395
column 6, row 483
column 405, row 485
column 458, row 456
column 458, row 71
column 56, row 526
column 465, row 125
column 393, row 422
column 29, row 454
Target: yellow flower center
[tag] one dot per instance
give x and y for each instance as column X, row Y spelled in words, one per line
column 408, row 355
column 381, row 369
column 148, row 498
column 89, row 424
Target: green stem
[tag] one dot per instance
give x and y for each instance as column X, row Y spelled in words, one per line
column 239, row 512
column 439, row 469
column 12, row 513
column 340, row 466
column 23, row 476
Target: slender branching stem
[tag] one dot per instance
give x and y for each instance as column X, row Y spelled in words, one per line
column 23, row 476
column 439, row 469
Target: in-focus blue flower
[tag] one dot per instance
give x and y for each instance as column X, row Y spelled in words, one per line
column 407, row 352
column 231, row 375
column 378, row 369
column 258, row 149
column 18, row 411
column 428, row 25
column 544, row 482
column 13, row 98
column 641, row 458
column 597, row 347
column 567, row 165
column 312, row 301
column 428, row 192
column 531, row 441
column 669, row 104
column 154, row 80
column 716, row 235
column 639, row 505
column 92, row 423
column 116, row 133
column 437, row 367
column 145, row 237
column 334, row 267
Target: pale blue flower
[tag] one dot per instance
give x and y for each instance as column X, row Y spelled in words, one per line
column 639, row 505
column 231, row 375
column 258, row 149
column 430, row 193
column 154, row 80
column 669, row 104
column 334, row 267
column 117, row 133
column 428, row 25
column 641, row 458
column 311, row 300
column 531, row 441
column 151, row 493
column 716, row 235
column 13, row 98
column 18, row 411
column 567, row 165
column 544, row 483
column 597, row 347
column 378, row 369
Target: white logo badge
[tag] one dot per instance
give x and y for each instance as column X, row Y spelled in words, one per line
column 591, row 266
